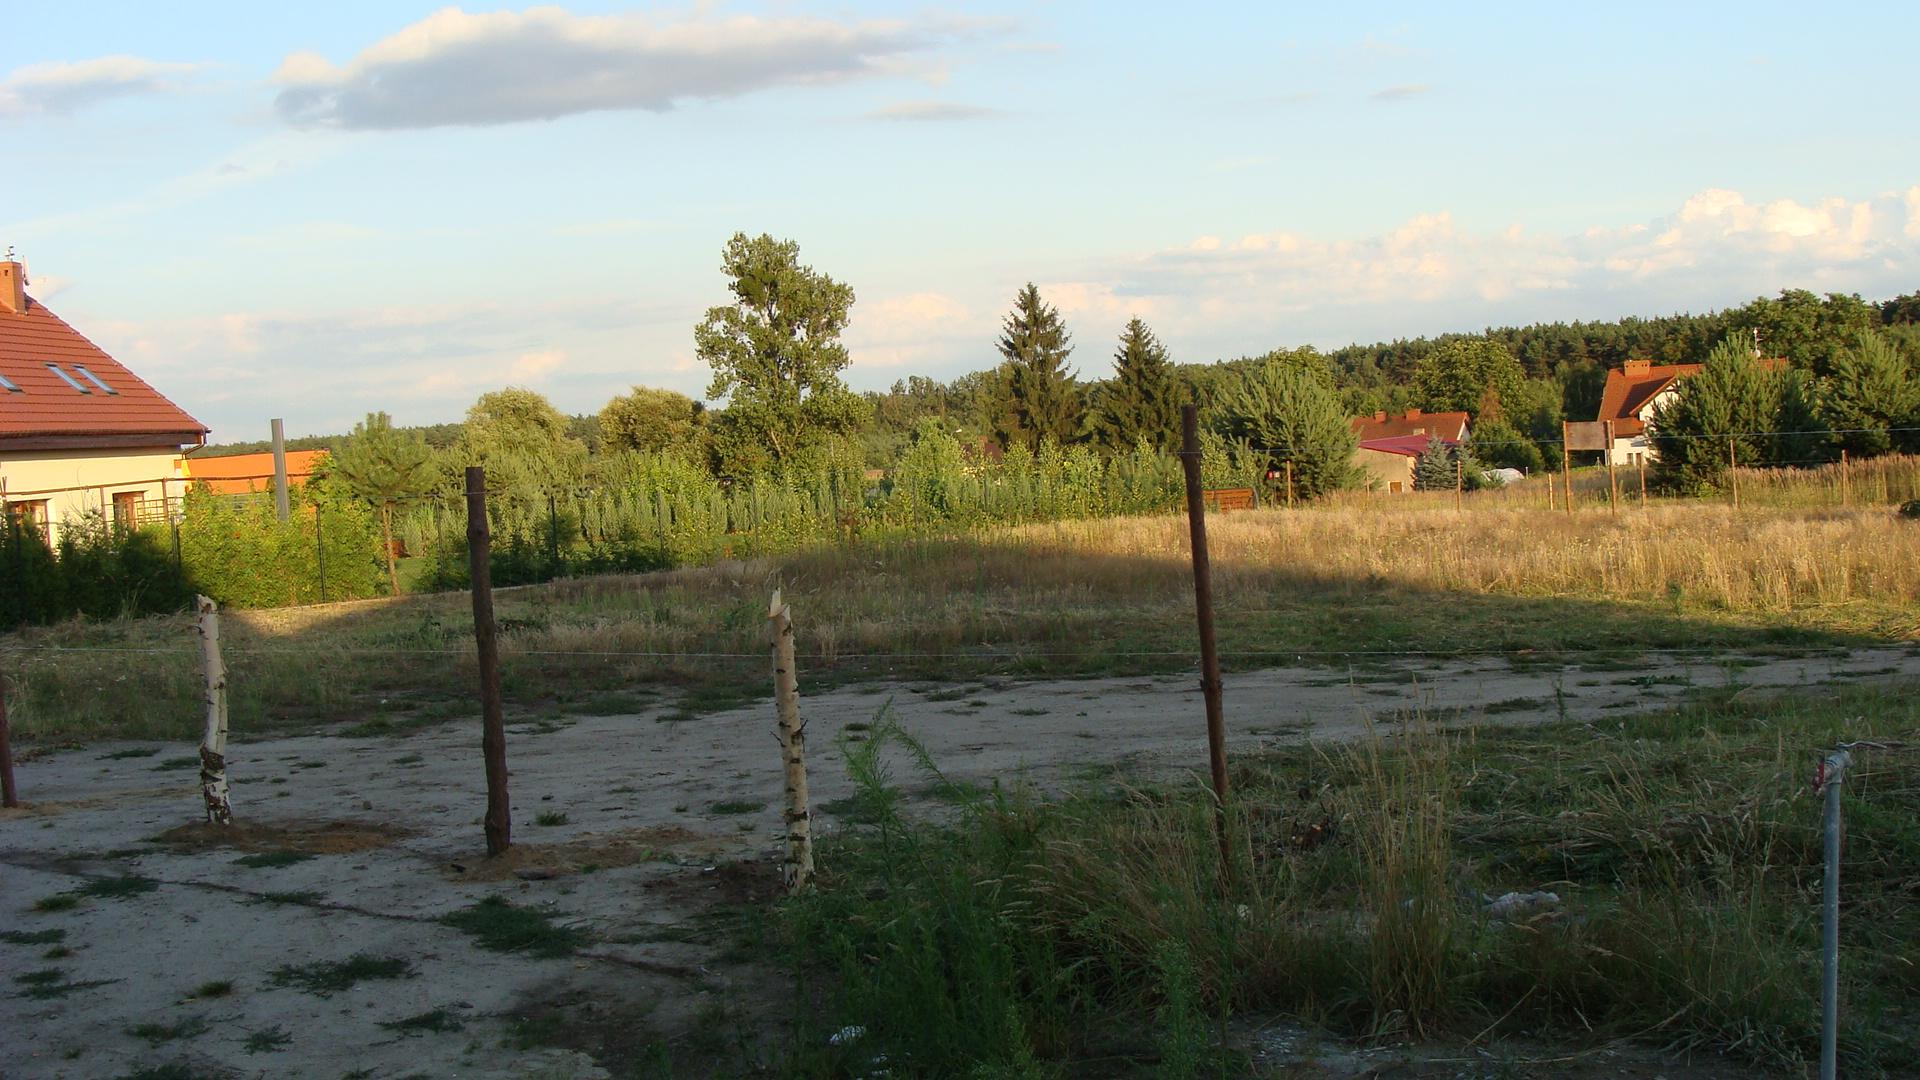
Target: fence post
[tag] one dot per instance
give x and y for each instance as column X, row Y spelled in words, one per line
column 213, row 744
column 553, row 538
column 1733, row 472
column 1846, row 495
column 1566, row 467
column 1289, row 483
column 1642, row 462
column 320, row 551
column 1459, row 481
column 1613, row 483
column 493, row 734
column 1833, row 772
column 9, row 795
column 1209, row 651
column 792, row 734
column 280, row 506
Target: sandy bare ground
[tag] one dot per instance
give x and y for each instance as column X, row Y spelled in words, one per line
column 663, row 821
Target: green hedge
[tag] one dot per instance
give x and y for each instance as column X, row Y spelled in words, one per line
column 98, row 571
column 236, row 550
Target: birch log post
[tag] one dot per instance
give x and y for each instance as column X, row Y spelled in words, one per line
column 213, row 744
column 798, row 869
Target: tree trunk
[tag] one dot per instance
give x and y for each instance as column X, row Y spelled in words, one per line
column 793, row 749
column 213, row 744
column 386, row 535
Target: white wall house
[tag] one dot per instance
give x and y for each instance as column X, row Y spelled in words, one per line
column 78, row 431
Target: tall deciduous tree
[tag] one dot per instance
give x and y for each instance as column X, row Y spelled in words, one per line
column 1287, row 406
column 384, row 467
column 1142, row 402
column 1870, row 394
column 1471, row 374
column 650, row 421
column 1041, row 398
column 522, row 441
column 775, row 351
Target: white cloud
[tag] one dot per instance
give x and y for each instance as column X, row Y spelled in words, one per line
column 457, row 68
column 911, row 330
column 61, row 88
column 932, row 112
column 1431, row 275
column 534, row 366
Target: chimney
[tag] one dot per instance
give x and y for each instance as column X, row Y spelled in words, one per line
column 1379, row 414
column 1413, row 414
column 13, row 285
column 1634, row 368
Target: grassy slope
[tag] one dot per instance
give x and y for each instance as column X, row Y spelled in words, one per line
column 1106, row 597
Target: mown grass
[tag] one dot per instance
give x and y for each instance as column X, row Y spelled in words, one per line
column 1074, row 598
column 1031, row 938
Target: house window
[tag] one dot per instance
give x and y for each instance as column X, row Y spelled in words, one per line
column 9, row 385
column 126, row 509
column 30, row 513
column 94, row 379
column 68, row 379
column 1393, row 486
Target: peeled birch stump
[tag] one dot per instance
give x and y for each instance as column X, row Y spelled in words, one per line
column 213, row 744
column 792, row 733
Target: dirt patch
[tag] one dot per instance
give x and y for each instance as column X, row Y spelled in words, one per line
column 307, row 837
column 746, row 881
column 595, row 851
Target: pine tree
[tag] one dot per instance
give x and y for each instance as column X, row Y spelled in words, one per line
column 1041, row 396
column 1142, row 402
column 1288, row 407
column 1437, row 468
column 1869, row 393
column 384, row 466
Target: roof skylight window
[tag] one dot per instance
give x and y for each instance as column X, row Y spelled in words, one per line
column 94, row 379
column 68, row 379
column 9, row 385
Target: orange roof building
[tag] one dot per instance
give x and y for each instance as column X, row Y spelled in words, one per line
column 1448, row 426
column 238, row 474
column 79, row 432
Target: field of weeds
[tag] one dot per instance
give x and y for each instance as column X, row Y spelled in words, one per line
column 1094, row 934
column 1082, row 598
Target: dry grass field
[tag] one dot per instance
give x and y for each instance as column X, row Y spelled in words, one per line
column 1363, row 584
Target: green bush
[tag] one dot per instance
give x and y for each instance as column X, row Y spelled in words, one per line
column 98, row 571
column 236, row 550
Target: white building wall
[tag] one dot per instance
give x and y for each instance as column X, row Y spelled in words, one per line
column 73, row 482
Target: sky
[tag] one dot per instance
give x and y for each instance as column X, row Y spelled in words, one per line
column 316, row 211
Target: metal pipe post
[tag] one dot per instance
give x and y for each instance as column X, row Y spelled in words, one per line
column 1832, row 773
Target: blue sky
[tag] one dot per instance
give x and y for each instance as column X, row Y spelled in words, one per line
column 315, row 211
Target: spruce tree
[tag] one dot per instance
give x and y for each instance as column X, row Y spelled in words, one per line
column 384, row 466
column 1287, row 407
column 1730, row 403
column 1142, row 402
column 1042, row 398
column 1869, row 394
column 1437, row 468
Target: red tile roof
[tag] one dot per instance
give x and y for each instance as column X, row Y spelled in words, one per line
column 1404, row 445
column 1447, row 425
column 46, row 406
column 1630, row 387
column 237, row 474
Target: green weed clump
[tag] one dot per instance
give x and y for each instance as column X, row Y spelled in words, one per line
column 498, row 924
column 1026, row 937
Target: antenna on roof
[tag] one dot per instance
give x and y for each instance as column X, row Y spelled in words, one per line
column 10, row 257
column 1756, row 342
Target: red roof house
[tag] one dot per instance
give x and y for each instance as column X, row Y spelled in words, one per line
column 1632, row 393
column 79, row 431
column 1447, row 425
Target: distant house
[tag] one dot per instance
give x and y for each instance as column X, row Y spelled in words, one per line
column 1632, row 394
column 1390, row 446
column 1388, row 464
column 78, row 431
column 237, row 474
